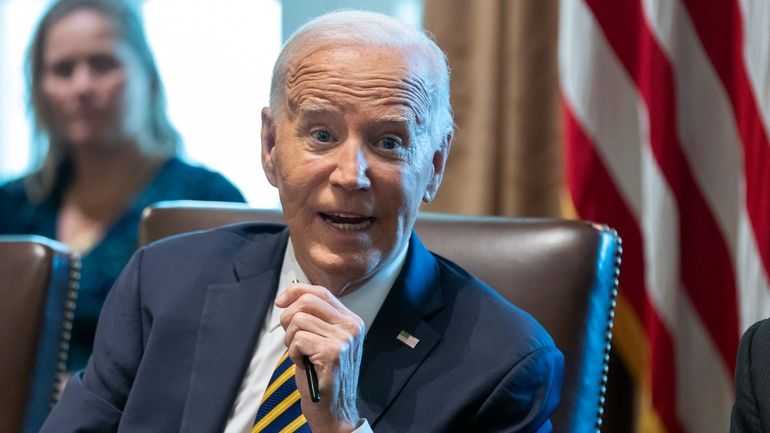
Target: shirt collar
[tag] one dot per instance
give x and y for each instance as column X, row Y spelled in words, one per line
column 365, row 301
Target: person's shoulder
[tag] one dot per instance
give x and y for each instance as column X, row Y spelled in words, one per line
column 757, row 336
column 207, row 254
column 15, row 206
column 13, row 190
column 193, row 182
column 762, row 327
column 175, row 272
column 191, row 172
column 496, row 315
column 212, row 240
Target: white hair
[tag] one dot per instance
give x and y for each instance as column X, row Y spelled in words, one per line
column 368, row 29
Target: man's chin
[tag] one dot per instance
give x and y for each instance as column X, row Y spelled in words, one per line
column 341, row 272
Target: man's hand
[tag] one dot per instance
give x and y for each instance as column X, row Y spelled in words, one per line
column 317, row 325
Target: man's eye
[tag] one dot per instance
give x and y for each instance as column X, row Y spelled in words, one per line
column 390, row 143
column 322, row 136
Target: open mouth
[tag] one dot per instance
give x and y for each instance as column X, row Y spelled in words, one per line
column 347, row 222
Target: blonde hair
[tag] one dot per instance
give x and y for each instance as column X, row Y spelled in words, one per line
column 164, row 140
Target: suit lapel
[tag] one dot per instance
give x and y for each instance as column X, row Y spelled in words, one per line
column 232, row 318
column 388, row 363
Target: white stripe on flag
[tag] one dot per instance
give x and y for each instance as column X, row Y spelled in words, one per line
column 756, row 50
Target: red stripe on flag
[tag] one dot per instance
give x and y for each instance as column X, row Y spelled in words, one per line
column 596, row 198
column 706, row 265
column 662, row 370
column 726, row 52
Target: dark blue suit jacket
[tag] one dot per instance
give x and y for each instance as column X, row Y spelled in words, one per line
column 179, row 328
column 751, row 411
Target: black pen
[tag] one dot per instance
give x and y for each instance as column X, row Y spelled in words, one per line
column 312, row 379
column 312, row 376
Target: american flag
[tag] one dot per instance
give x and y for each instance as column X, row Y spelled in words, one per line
column 667, row 118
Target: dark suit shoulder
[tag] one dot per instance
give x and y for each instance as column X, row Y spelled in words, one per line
column 502, row 359
column 755, row 344
column 496, row 315
column 211, row 240
column 757, row 341
column 216, row 256
column 752, row 381
column 759, row 331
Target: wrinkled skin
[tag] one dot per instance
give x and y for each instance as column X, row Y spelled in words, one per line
column 352, row 160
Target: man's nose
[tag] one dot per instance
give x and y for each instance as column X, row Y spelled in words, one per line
column 352, row 167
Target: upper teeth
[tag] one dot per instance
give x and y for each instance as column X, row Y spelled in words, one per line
column 361, row 224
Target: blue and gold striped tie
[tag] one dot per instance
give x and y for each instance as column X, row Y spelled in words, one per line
column 280, row 410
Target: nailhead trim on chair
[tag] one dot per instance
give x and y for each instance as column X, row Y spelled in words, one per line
column 69, row 313
column 608, row 346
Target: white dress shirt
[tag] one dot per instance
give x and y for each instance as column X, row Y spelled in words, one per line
column 364, row 302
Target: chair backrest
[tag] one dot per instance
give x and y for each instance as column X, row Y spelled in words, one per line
column 38, row 286
column 563, row 272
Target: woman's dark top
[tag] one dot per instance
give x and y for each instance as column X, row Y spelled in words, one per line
column 101, row 265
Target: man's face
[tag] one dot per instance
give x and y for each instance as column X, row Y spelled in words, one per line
column 352, row 159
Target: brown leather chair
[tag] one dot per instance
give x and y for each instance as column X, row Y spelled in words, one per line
column 38, row 286
column 563, row 272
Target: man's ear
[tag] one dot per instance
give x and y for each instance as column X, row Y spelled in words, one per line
column 268, row 144
column 438, row 164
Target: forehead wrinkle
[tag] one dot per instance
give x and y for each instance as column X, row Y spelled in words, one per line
column 305, row 83
column 312, row 103
column 309, row 107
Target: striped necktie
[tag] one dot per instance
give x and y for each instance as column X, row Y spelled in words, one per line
column 280, row 410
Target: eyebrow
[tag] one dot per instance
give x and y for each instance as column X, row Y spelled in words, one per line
column 306, row 107
column 311, row 108
column 395, row 118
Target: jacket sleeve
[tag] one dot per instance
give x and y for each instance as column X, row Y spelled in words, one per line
column 745, row 414
column 526, row 397
column 94, row 399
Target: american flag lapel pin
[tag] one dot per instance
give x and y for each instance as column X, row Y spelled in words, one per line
column 408, row 339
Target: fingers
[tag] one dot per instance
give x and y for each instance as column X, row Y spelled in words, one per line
column 315, row 309
column 304, row 326
column 324, row 351
column 324, row 343
column 312, row 305
column 318, row 325
column 296, row 290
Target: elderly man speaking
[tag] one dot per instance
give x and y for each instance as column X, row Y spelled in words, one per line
column 241, row 329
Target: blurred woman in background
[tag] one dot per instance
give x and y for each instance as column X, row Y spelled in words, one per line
column 109, row 148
